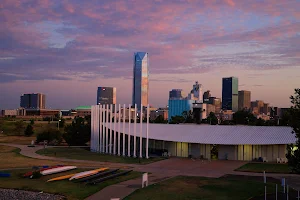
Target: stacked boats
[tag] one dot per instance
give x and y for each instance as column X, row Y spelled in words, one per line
column 89, row 177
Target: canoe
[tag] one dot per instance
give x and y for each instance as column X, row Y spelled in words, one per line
column 100, row 174
column 2, row 174
column 61, row 178
column 27, row 174
column 87, row 173
column 57, row 170
column 108, row 177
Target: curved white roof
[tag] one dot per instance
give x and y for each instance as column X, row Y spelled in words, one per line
column 214, row 134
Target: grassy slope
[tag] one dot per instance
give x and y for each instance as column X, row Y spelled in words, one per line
column 268, row 167
column 181, row 187
column 81, row 154
column 70, row 189
column 13, row 159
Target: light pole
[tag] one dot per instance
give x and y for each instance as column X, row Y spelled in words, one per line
column 58, row 124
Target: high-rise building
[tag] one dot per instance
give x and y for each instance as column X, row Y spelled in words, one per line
column 176, row 94
column 106, row 95
column 206, row 96
column 197, row 92
column 140, row 79
column 244, row 100
column 33, row 101
column 230, row 94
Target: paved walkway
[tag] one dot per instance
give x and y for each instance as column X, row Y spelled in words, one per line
column 160, row 170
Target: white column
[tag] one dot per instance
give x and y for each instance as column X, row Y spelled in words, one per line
column 106, row 133
column 115, row 122
column 97, row 128
column 103, row 128
column 128, row 154
column 119, row 132
column 124, row 108
column 141, row 131
column 92, row 129
column 101, row 131
column 134, row 132
column 110, row 127
column 147, row 134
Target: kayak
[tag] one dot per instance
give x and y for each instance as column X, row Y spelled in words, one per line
column 57, row 170
column 87, row 173
column 61, row 178
column 100, row 174
column 108, row 177
column 27, row 174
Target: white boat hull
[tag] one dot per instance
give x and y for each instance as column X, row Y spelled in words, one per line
column 57, row 170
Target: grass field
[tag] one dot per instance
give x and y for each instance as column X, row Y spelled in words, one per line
column 268, row 167
column 8, row 127
column 16, row 139
column 82, row 154
column 70, row 189
column 190, row 188
column 10, row 158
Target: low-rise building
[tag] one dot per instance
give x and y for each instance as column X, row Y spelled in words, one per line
column 12, row 112
column 159, row 112
column 82, row 111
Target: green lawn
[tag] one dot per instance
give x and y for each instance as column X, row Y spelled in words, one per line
column 268, row 167
column 82, row 154
column 70, row 189
column 192, row 188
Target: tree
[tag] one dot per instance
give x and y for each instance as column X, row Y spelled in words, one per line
column 176, row 119
column 160, row 120
column 293, row 154
column 243, row 117
column 61, row 123
column 188, row 116
column 19, row 127
column 78, row 133
column 32, row 122
column 260, row 122
column 28, row 131
column 53, row 136
column 212, row 119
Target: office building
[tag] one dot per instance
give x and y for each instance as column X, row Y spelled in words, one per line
column 140, row 79
column 218, row 105
column 33, row 101
column 230, row 94
column 206, row 96
column 176, row 94
column 244, row 100
column 106, row 95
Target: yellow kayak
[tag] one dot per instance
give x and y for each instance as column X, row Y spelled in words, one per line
column 61, row 177
column 87, row 173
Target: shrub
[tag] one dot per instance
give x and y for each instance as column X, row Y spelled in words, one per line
column 53, row 136
column 29, row 130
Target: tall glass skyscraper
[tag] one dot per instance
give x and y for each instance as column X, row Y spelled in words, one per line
column 140, row 79
column 230, row 94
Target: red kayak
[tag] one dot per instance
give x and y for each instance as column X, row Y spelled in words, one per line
column 27, row 174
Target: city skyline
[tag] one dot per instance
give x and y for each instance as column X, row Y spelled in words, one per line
column 63, row 49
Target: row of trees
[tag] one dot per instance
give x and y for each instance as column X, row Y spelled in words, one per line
column 78, row 133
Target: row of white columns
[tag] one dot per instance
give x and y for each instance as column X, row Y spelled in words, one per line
column 101, row 137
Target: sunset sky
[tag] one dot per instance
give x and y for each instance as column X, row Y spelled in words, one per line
column 66, row 49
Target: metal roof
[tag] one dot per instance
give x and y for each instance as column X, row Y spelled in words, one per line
column 214, row 134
